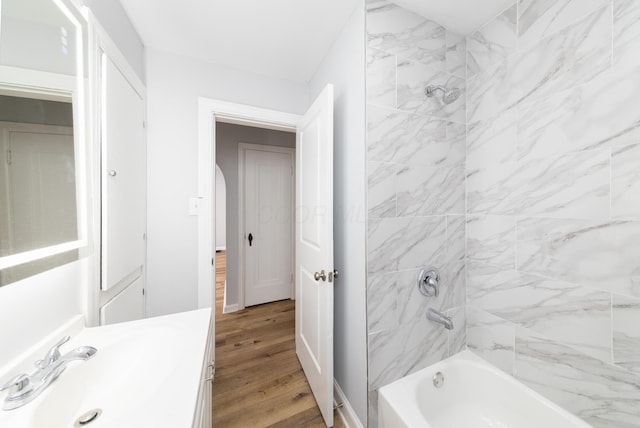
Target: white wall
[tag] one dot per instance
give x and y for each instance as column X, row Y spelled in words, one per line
column 221, row 210
column 174, row 84
column 227, row 139
column 115, row 21
column 344, row 67
column 30, row 309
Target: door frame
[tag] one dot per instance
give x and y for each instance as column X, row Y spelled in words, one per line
column 211, row 111
column 242, row 148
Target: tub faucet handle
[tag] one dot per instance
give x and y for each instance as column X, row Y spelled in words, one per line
column 429, row 281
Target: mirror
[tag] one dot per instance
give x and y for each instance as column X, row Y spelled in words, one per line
column 41, row 136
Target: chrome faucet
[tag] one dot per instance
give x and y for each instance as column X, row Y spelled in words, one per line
column 440, row 318
column 24, row 388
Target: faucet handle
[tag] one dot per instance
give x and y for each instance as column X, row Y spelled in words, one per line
column 17, row 384
column 53, row 354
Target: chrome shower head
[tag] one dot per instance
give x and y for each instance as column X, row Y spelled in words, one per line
column 448, row 96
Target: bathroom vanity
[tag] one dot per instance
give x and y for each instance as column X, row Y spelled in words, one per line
column 151, row 373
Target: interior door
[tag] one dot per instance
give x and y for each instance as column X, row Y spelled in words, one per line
column 268, row 208
column 314, row 249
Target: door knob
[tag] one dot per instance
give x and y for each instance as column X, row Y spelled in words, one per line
column 322, row 275
column 250, row 239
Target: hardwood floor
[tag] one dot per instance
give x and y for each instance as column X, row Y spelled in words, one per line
column 259, row 381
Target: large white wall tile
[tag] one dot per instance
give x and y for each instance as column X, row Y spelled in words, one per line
column 396, row 353
column 456, row 56
column 600, row 114
column 625, row 181
column 456, row 231
column 381, row 189
column 538, row 19
column 458, row 336
column 430, row 191
column 570, row 186
column 571, row 57
column 491, row 239
column 493, row 140
column 494, row 41
column 382, row 301
column 626, row 35
column 601, row 394
column 381, row 78
column 396, row 244
column 404, row 33
column 626, row 332
column 491, row 337
column 400, row 137
column 599, row 254
column 568, row 313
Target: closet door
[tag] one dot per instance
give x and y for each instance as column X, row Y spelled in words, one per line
column 123, row 179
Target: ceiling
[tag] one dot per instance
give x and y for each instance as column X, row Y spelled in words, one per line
column 460, row 16
column 285, row 39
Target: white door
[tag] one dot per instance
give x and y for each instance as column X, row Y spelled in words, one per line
column 314, row 249
column 268, row 208
column 123, row 179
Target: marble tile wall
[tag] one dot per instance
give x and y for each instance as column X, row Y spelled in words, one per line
column 416, row 151
column 553, row 202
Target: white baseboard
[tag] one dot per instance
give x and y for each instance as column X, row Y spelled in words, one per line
column 346, row 412
column 221, row 248
column 227, row 309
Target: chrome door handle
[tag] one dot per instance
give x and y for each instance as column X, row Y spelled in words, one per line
column 322, row 275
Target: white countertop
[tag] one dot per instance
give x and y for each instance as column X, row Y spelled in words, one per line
column 145, row 374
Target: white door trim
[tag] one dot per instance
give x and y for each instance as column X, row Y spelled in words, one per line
column 242, row 148
column 211, row 111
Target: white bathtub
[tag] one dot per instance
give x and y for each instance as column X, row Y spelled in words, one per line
column 474, row 394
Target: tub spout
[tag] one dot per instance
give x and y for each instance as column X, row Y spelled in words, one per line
column 440, row 318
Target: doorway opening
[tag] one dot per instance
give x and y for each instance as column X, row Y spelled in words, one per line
column 256, row 228
column 310, row 318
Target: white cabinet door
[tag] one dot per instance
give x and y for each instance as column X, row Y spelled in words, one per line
column 126, row 306
column 123, row 177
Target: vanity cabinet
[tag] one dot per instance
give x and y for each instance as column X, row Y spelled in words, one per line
column 203, row 414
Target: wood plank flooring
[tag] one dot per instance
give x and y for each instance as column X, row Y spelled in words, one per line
column 259, row 381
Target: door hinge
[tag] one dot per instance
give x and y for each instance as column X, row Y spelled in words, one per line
column 143, row 291
column 144, row 124
column 213, row 261
column 144, row 236
column 8, row 157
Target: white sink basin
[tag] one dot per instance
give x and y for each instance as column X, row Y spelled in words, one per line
column 145, row 373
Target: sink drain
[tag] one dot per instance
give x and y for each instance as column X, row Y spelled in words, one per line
column 87, row 418
column 438, row 380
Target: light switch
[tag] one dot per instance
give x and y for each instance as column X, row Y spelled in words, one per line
column 194, row 205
